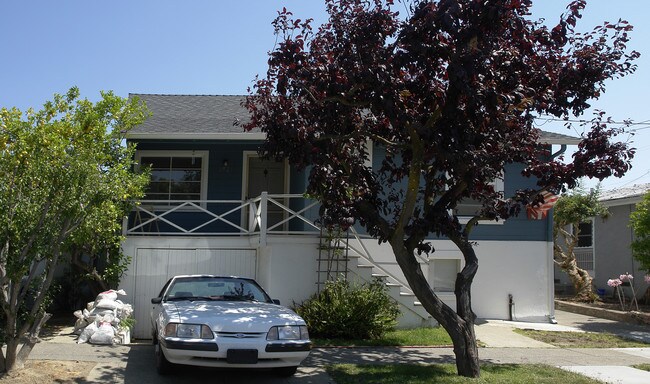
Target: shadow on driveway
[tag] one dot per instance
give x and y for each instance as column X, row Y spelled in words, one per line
column 138, row 366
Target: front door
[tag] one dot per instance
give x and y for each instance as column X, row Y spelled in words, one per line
column 269, row 176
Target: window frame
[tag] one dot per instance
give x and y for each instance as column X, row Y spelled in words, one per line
column 582, row 234
column 499, row 186
column 442, row 290
column 203, row 154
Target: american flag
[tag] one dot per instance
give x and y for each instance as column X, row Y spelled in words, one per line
column 540, row 211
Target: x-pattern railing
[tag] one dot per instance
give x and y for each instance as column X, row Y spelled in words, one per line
column 246, row 217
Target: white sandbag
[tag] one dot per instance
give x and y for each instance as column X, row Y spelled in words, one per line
column 79, row 326
column 106, row 304
column 87, row 333
column 106, row 318
column 103, row 335
column 110, row 294
column 125, row 311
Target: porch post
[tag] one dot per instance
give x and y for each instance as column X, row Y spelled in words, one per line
column 263, row 217
column 125, row 225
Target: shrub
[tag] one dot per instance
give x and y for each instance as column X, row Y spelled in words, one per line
column 347, row 310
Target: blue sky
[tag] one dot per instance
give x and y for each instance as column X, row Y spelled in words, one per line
column 217, row 47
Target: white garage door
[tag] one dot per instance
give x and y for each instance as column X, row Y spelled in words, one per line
column 154, row 266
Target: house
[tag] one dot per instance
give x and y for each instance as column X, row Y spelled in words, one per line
column 214, row 206
column 604, row 244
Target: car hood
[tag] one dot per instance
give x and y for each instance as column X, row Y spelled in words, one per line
column 232, row 316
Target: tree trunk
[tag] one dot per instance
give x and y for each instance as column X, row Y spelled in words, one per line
column 566, row 260
column 10, row 357
column 460, row 326
column 465, row 349
column 582, row 282
column 32, row 338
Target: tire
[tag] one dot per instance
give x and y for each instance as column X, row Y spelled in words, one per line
column 286, row 371
column 163, row 366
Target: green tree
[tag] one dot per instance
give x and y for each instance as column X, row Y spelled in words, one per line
column 640, row 223
column 65, row 175
column 569, row 211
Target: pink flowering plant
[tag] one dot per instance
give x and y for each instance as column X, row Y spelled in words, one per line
column 617, row 284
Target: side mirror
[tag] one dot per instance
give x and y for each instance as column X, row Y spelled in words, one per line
column 156, row 300
column 276, row 301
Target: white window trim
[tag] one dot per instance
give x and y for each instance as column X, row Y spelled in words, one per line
column 592, row 220
column 499, row 186
column 593, row 228
column 204, row 155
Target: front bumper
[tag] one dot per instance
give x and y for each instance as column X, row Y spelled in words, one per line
column 214, row 353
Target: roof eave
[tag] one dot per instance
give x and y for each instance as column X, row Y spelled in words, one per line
column 251, row 136
column 629, row 200
column 560, row 141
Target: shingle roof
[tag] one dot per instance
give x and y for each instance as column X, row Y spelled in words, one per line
column 194, row 115
column 558, row 138
column 191, row 114
column 626, row 195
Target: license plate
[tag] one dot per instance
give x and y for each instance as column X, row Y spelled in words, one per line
column 241, row 356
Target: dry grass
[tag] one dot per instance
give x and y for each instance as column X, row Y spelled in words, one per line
column 581, row 339
column 49, row 371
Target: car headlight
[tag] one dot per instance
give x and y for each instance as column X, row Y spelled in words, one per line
column 188, row 331
column 288, row 332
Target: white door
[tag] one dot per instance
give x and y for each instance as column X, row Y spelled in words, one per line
column 154, row 266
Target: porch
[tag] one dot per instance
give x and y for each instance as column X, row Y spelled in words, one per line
column 282, row 214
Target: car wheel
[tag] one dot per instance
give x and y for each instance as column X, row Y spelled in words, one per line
column 286, row 371
column 163, row 366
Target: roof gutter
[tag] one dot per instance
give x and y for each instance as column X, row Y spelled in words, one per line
column 251, row 136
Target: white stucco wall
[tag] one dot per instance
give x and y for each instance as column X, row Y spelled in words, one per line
column 521, row 268
column 286, row 268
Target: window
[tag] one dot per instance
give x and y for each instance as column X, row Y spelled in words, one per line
column 444, row 274
column 175, row 175
column 585, row 237
column 469, row 207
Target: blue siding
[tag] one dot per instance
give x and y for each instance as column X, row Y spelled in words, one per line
column 516, row 228
column 226, row 183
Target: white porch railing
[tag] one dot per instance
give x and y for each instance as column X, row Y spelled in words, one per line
column 585, row 258
column 224, row 217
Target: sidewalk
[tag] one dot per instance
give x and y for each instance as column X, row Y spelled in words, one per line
column 135, row 363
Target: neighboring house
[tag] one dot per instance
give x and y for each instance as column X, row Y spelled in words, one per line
column 214, row 207
column 609, row 254
column 604, row 244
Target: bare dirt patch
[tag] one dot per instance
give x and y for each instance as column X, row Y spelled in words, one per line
column 49, row 371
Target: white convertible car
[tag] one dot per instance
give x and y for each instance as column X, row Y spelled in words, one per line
column 230, row 322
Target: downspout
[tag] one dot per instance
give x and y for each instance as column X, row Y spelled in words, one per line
column 551, row 264
column 559, row 152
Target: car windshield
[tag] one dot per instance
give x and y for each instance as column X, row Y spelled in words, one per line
column 215, row 288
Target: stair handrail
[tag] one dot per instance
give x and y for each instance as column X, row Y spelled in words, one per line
column 367, row 256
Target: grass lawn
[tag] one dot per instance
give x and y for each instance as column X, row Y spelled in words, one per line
column 436, row 336
column 446, row 373
column 645, row 367
column 581, row 339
